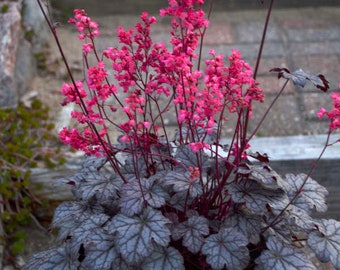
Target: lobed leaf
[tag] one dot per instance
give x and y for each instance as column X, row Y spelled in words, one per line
column 188, row 158
column 311, row 195
column 138, row 235
column 94, row 163
column 280, row 256
column 54, row 258
column 181, row 182
column 132, row 196
column 299, row 77
column 165, row 259
column 179, row 199
column 325, row 241
column 245, row 222
column 299, row 218
column 90, row 226
column 264, row 175
column 97, row 184
column 193, row 231
column 227, row 249
column 99, row 249
column 256, row 197
column 68, row 216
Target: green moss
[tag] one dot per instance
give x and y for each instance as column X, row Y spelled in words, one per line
column 25, row 140
column 4, row 8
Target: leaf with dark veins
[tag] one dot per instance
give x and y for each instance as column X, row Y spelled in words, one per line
column 280, row 256
column 299, row 77
column 164, row 258
column 181, row 182
column 227, row 248
column 133, row 194
column 100, row 250
column 256, row 197
column 325, row 242
column 311, row 195
column 138, row 235
column 247, row 223
column 54, row 258
column 68, row 216
column 193, row 231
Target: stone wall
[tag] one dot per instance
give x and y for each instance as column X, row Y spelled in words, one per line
column 23, row 35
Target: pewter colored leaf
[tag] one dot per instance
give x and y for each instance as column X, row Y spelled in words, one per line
column 325, row 242
column 256, row 197
column 88, row 227
column 265, row 175
column 99, row 249
column 68, row 216
column 94, row 163
column 132, row 197
column 138, row 235
column 193, row 231
column 188, row 158
column 96, row 183
column 299, row 218
column 299, row 78
column 54, row 258
column 312, row 195
column 227, row 249
column 280, row 256
column 178, row 200
column 181, row 182
column 165, row 259
column 245, row 222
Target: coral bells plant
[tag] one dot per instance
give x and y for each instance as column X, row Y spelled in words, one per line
column 150, row 199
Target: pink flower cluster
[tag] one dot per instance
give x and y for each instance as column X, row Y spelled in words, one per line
column 146, row 72
column 334, row 114
column 86, row 28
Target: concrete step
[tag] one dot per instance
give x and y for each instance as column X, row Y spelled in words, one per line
column 292, row 154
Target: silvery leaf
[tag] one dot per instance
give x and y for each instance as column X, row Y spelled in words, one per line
column 256, row 197
column 193, row 231
column 94, row 163
column 188, row 158
column 99, row 250
column 165, row 259
column 312, row 195
column 68, row 216
column 226, row 249
column 132, row 197
column 325, row 242
column 88, row 227
column 247, row 223
column 138, row 235
column 53, row 258
column 299, row 78
column 280, row 256
column 181, row 182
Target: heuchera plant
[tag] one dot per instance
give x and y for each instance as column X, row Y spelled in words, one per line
column 152, row 200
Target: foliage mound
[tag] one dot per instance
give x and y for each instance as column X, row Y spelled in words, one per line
column 187, row 201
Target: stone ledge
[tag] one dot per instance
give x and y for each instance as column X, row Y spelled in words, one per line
column 293, row 154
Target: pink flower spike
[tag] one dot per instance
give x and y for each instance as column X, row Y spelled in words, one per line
column 321, row 112
column 87, row 47
column 146, row 124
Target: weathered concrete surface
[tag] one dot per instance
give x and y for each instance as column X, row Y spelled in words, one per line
column 23, row 36
column 10, row 27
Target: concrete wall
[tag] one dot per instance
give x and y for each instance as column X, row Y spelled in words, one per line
column 107, row 7
column 23, row 34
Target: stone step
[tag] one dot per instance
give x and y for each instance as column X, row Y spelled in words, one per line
column 292, row 154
